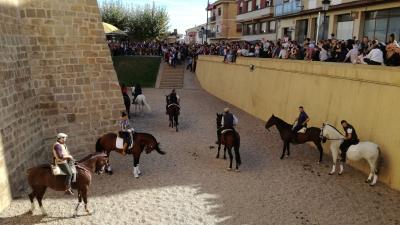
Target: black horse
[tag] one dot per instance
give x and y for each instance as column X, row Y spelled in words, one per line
column 127, row 102
column 230, row 139
column 285, row 130
column 173, row 111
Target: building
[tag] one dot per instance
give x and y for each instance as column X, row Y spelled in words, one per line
column 345, row 19
column 222, row 22
column 196, row 35
column 255, row 20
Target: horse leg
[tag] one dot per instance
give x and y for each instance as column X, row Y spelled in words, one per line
column 288, row 149
column 176, row 122
column 108, row 167
column 230, row 158
column 39, row 196
column 237, row 158
column 136, row 158
column 284, row 149
column 32, row 198
column 372, row 178
column 85, row 200
column 340, row 168
column 79, row 203
column 219, row 148
column 170, row 121
column 335, row 155
column 320, row 149
column 224, row 151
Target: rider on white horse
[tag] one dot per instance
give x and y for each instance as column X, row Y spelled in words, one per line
column 136, row 91
column 301, row 121
column 350, row 138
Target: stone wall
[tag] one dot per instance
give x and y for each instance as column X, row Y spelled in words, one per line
column 56, row 75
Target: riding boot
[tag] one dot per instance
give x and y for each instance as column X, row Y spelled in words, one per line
column 343, row 156
column 124, row 149
column 69, row 191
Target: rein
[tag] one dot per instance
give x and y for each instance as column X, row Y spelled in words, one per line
column 331, row 139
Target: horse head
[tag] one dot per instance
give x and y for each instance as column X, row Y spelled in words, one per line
column 270, row 122
column 101, row 162
column 323, row 134
column 219, row 120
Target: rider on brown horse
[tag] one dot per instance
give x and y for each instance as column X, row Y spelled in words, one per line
column 126, row 132
column 229, row 122
column 63, row 158
column 172, row 98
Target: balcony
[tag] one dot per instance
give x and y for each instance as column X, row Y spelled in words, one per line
column 212, row 18
column 255, row 14
column 285, row 8
column 211, row 35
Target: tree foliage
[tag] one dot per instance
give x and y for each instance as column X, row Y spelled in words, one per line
column 146, row 22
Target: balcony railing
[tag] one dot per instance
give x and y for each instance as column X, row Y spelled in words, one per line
column 287, row 8
column 255, row 14
column 212, row 18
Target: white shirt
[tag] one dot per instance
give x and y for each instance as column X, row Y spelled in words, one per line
column 375, row 55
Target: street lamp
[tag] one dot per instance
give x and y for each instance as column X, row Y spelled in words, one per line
column 325, row 7
column 202, row 35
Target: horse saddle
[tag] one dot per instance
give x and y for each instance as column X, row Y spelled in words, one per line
column 57, row 171
column 302, row 130
column 174, row 105
column 123, row 137
column 226, row 130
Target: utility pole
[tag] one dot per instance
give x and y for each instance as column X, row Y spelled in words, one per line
column 208, row 5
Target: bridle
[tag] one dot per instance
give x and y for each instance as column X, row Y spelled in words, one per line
column 322, row 137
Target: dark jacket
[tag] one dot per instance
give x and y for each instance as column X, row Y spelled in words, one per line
column 228, row 120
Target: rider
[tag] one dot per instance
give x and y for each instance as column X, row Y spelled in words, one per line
column 173, row 98
column 126, row 132
column 229, row 122
column 62, row 158
column 136, row 91
column 301, row 121
column 351, row 138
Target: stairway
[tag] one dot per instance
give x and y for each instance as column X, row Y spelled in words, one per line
column 172, row 77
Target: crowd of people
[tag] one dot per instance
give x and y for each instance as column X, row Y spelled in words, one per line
column 365, row 51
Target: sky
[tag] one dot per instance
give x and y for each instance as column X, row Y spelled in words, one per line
column 183, row 14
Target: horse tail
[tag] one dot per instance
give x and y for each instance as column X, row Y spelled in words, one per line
column 99, row 147
column 146, row 105
column 159, row 150
column 379, row 161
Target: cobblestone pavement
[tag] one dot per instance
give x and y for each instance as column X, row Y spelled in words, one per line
column 189, row 185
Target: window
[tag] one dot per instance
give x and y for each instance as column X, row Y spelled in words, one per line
column 258, row 4
column 217, row 29
column 241, row 8
column 219, row 11
column 263, row 27
column 380, row 24
column 249, row 28
column 249, row 6
column 256, row 28
column 268, row 3
column 344, row 28
column 271, row 27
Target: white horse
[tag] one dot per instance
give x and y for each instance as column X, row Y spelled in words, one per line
column 363, row 150
column 140, row 104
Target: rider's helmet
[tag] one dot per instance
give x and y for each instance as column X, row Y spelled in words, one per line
column 226, row 110
column 61, row 135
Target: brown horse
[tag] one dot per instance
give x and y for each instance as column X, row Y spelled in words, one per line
column 41, row 177
column 173, row 111
column 142, row 141
column 285, row 130
column 230, row 139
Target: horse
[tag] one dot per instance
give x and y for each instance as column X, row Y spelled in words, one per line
column 285, row 130
column 140, row 104
column 127, row 103
column 230, row 140
column 142, row 141
column 41, row 177
column 173, row 111
column 363, row 150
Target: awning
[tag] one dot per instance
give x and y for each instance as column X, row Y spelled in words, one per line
column 112, row 30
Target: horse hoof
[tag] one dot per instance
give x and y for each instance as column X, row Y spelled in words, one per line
column 229, row 169
column 287, row 156
column 237, row 170
column 340, row 174
column 74, row 216
column 330, row 173
column 368, row 181
column 30, row 212
column 371, row 184
column 281, row 158
column 217, row 157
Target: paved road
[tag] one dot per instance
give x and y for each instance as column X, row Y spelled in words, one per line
column 189, row 185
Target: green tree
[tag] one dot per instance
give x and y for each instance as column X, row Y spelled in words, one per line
column 114, row 12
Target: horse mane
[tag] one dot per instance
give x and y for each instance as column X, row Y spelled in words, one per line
column 282, row 122
column 86, row 158
column 335, row 129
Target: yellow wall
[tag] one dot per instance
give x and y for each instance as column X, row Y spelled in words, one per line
column 366, row 96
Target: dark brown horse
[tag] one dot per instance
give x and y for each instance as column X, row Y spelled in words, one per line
column 285, row 130
column 230, row 140
column 142, row 141
column 41, row 177
column 127, row 103
column 173, row 111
